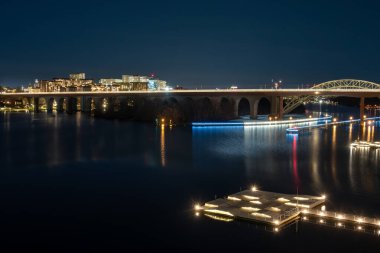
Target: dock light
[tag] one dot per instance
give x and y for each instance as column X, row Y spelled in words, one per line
column 321, row 221
column 351, row 118
column 290, row 118
column 334, row 119
column 254, row 188
column 360, row 227
column 275, row 229
column 310, row 116
column 360, row 220
column 233, row 198
column 197, row 207
column 197, row 214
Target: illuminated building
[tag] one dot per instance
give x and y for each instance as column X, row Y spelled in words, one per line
column 110, row 84
column 76, row 82
column 135, row 82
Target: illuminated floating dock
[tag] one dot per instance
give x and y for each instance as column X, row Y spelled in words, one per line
column 272, row 208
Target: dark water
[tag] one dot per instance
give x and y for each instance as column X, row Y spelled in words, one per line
column 71, row 182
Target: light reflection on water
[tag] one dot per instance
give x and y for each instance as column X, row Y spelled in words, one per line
column 162, row 141
column 324, row 152
column 123, row 162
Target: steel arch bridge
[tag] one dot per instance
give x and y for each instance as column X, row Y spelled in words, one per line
column 348, row 84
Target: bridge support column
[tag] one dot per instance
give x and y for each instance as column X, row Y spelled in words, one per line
column 362, row 116
column 110, row 105
column 274, row 105
column 60, row 102
column 98, row 101
column 49, row 104
column 85, row 104
column 281, row 107
column 277, row 107
column 36, row 104
column 253, row 107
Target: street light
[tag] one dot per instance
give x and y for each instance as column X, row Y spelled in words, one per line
column 276, row 84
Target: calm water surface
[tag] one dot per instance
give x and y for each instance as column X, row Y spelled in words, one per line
column 75, row 182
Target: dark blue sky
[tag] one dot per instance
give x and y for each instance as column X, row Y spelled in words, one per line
column 191, row 43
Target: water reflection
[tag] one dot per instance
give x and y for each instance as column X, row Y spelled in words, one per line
column 333, row 156
column 321, row 158
column 295, row 167
column 163, row 148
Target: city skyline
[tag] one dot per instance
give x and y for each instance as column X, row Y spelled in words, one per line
column 195, row 44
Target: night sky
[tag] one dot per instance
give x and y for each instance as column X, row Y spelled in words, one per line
column 191, row 43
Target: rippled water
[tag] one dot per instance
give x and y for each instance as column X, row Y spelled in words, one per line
column 75, row 182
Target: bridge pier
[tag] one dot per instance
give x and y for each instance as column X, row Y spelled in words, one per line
column 111, row 105
column 253, row 107
column 362, row 116
column 281, row 107
column 49, row 104
column 98, row 101
column 36, row 105
column 60, row 101
column 85, row 104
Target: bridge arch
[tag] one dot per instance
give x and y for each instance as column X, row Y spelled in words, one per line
column 263, row 106
column 171, row 110
column 349, row 84
column 89, row 105
column 244, row 107
column 41, row 103
column 205, row 109
column 72, row 105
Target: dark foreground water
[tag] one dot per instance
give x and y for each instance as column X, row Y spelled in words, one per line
column 71, row 182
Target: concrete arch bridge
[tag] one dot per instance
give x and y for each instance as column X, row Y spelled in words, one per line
column 193, row 105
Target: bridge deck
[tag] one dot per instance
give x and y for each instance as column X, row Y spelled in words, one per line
column 212, row 92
